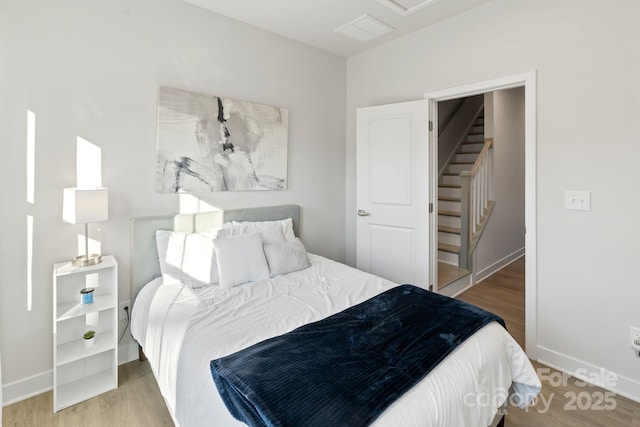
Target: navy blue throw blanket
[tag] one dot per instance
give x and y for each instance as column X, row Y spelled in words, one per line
column 346, row 369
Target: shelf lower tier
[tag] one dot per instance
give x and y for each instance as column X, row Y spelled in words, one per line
column 83, row 389
column 76, row 350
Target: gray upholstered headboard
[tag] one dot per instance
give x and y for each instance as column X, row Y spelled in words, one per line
column 144, row 256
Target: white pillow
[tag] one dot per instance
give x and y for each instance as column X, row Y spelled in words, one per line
column 170, row 247
column 240, row 260
column 188, row 258
column 269, row 231
column 284, row 225
column 199, row 264
column 286, row 257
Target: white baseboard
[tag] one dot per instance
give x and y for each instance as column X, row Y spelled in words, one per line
column 28, row 387
column 623, row 386
column 455, row 289
column 127, row 352
column 459, row 286
column 497, row 266
column 41, row 383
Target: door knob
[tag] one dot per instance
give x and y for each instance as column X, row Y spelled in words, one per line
column 362, row 212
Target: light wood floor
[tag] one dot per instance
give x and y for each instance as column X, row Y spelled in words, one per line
column 137, row 402
column 503, row 294
column 447, row 274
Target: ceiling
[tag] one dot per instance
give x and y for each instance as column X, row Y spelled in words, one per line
column 313, row 21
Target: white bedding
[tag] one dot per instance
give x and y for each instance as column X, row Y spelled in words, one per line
column 181, row 330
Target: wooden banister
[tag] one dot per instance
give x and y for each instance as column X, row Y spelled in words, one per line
column 476, row 187
column 465, row 218
column 488, row 144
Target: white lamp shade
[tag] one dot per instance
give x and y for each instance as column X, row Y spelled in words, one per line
column 85, row 205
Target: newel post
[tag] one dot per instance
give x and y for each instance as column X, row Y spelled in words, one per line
column 465, row 219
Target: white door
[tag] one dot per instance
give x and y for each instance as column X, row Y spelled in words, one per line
column 393, row 192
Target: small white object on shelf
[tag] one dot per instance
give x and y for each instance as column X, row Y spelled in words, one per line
column 84, row 368
column 89, row 337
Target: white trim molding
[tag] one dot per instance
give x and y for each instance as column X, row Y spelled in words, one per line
column 497, row 266
column 27, row 387
column 41, row 383
column 528, row 81
column 600, row 377
column 127, row 352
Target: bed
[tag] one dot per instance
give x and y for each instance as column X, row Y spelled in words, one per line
column 182, row 329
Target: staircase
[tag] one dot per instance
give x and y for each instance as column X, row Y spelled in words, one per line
column 451, row 247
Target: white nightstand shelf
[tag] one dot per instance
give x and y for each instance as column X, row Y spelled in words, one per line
column 81, row 372
column 84, row 388
column 76, row 350
column 67, row 311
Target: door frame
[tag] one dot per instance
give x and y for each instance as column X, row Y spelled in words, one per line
column 528, row 81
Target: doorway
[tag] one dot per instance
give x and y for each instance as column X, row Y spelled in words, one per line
column 528, row 82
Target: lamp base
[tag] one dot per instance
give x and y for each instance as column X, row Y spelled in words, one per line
column 85, row 261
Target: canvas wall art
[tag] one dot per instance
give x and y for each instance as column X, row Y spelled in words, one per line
column 207, row 143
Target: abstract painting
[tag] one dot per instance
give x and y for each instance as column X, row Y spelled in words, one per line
column 207, row 143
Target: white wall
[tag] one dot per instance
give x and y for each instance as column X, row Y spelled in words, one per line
column 503, row 237
column 457, row 129
column 3, row 176
column 92, row 69
column 445, row 108
column 488, row 115
column 1, row 400
column 588, row 98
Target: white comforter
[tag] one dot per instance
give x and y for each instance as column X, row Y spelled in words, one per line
column 181, row 330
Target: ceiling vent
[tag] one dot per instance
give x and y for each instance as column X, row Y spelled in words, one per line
column 364, row 29
column 407, row 7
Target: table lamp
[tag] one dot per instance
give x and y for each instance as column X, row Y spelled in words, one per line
column 84, row 206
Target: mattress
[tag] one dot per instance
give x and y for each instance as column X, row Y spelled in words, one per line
column 182, row 329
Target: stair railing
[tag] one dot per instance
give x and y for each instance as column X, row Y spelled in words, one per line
column 476, row 194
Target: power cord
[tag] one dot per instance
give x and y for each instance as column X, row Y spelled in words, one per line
column 126, row 310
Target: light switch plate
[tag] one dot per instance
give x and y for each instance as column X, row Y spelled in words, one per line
column 577, row 200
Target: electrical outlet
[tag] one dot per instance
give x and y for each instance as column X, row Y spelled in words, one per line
column 122, row 315
column 577, row 200
column 634, row 338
